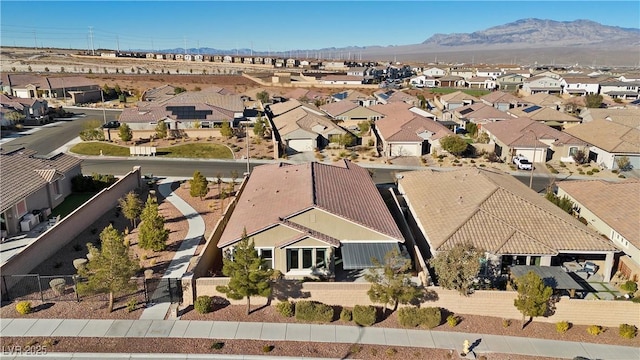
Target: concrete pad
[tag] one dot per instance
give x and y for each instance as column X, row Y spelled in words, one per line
column 396, row 337
column 557, row 349
column 598, row 287
column 420, row 338
column 249, row 330
column 156, row 311
column 298, row 332
column 19, row 327
column 323, row 333
column 179, row 328
column 119, row 328
column 139, row 328
column 273, row 331
column 96, row 328
column 348, row 334
column 44, row 327
column 4, row 323
column 600, row 351
column 373, row 336
column 70, row 327
column 160, row 328
column 198, row 329
column 224, row 330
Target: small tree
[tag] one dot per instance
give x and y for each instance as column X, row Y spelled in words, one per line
column 131, row 206
column 580, row 157
column 391, row 281
column 259, row 128
column 247, row 271
column 533, row 296
column 472, row 129
column 593, row 100
column 364, row 127
column 161, row 130
column 263, row 96
column 457, row 267
column 125, row 132
column 454, row 144
column 153, row 235
column 623, row 162
column 346, row 139
column 111, row 268
column 226, row 130
column 199, row 185
column 14, row 116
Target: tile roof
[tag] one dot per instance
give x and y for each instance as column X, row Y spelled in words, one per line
column 23, row 173
column 604, row 199
column 457, row 96
column 397, row 109
column 480, row 112
column 608, row 135
column 299, row 118
column 338, row 108
column 283, row 107
column 407, row 129
column 628, row 116
column 22, row 80
column 343, row 189
column 493, row 211
column 214, row 96
column 543, row 99
column 516, row 132
column 71, row 82
column 498, row 97
column 151, row 113
column 543, row 114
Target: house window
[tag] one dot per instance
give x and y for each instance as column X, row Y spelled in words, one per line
column 205, row 125
column 321, row 260
column 56, row 188
column 267, row 256
column 306, row 258
column 21, row 208
column 293, row 259
column 573, row 151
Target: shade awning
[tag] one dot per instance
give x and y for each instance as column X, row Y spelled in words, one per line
column 553, row 276
column 358, row 255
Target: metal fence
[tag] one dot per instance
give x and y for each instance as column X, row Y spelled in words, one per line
column 64, row 288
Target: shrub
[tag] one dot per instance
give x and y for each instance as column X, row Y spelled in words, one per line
column 596, row 170
column 23, row 307
column 595, row 330
column 203, row 304
column 354, row 349
column 506, row 323
column 364, row 315
column 391, row 351
column 217, row 345
column 622, row 176
column 131, row 305
column 453, row 320
column 628, row 331
column 562, row 327
column 629, row 286
column 313, row 311
column 267, row 348
column 285, row 308
column 430, row 317
column 408, row 316
column 346, row 315
column 590, row 172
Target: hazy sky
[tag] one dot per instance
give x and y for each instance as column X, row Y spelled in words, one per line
column 276, row 26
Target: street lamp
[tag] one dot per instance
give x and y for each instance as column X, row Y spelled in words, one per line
column 533, row 162
column 104, row 113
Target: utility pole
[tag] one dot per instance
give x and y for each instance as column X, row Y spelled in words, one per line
column 104, row 112
column 247, row 136
column 93, row 52
column 35, row 38
column 117, row 44
column 185, row 45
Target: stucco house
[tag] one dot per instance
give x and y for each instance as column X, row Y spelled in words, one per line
column 455, row 100
column 349, row 114
column 313, row 219
column 34, row 110
column 302, row 130
column 626, row 90
column 478, row 113
column 497, row 213
column 543, row 84
column 33, row 184
column 598, row 202
column 354, row 96
column 510, row 82
column 502, row 101
column 435, row 72
column 537, row 142
column 547, row 116
column 581, row 85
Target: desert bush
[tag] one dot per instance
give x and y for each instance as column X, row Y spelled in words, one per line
column 364, row 315
column 313, row 311
column 629, row 286
column 217, row 345
column 628, row 331
column 430, row 317
column 131, row 305
column 23, row 307
column 391, row 352
column 346, row 315
column 453, row 320
column 285, row 308
column 506, row 323
column 408, row 316
column 267, row 348
column 203, row 304
column 562, row 327
column 595, row 330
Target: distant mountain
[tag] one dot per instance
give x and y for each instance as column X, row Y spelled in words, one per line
column 536, row 32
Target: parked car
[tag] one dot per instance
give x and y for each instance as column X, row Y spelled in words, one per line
column 111, row 125
column 522, row 163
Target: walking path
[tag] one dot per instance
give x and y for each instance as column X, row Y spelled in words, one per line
column 180, row 262
column 484, row 344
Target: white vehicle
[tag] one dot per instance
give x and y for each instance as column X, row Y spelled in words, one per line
column 522, row 163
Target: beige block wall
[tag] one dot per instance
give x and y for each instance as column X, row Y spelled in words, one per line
column 335, row 226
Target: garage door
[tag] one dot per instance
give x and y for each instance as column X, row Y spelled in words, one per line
column 301, row 144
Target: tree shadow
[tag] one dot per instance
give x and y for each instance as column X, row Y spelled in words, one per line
column 284, row 289
column 42, row 307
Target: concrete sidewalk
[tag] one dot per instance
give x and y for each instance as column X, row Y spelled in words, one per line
column 486, row 344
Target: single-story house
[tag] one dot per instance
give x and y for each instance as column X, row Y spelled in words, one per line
column 31, row 185
column 547, row 116
column 628, row 116
column 302, row 130
column 542, row 99
column 349, row 114
column 178, row 116
column 354, row 96
column 497, row 213
column 478, row 113
column 328, row 218
column 452, row 81
column 34, row 110
column 537, row 142
column 599, row 203
column 78, row 88
column 422, row 81
column 502, row 101
column 305, row 95
column 455, row 100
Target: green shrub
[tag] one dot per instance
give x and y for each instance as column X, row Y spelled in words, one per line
column 562, row 327
column 23, row 307
column 430, row 317
column 346, row 315
column 622, row 176
column 453, row 320
column 636, row 300
column 590, row 172
column 595, row 330
column 427, row 317
column 285, row 308
column 596, row 170
column 408, row 316
column 203, row 304
column 313, row 311
column 267, row 348
column 131, row 305
column 629, row 286
column 217, row 345
column 364, row 315
column 628, row 331
column 482, row 165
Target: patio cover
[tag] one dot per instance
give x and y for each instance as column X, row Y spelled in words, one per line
column 552, row 276
column 358, row 255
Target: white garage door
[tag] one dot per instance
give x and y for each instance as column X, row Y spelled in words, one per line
column 528, row 153
column 301, row 144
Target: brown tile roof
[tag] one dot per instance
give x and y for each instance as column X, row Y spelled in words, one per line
column 544, row 114
column 23, row 173
column 615, row 203
column 493, row 211
column 543, row 99
column 152, row 113
column 457, row 97
column 397, row 109
column 628, row 116
column 71, row 82
column 401, row 96
column 480, row 112
column 515, row 132
column 497, row 97
column 299, row 118
column 608, row 135
column 300, row 93
column 214, row 96
column 338, row 108
column 407, row 129
column 278, row 191
column 283, row 107
column 22, row 80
